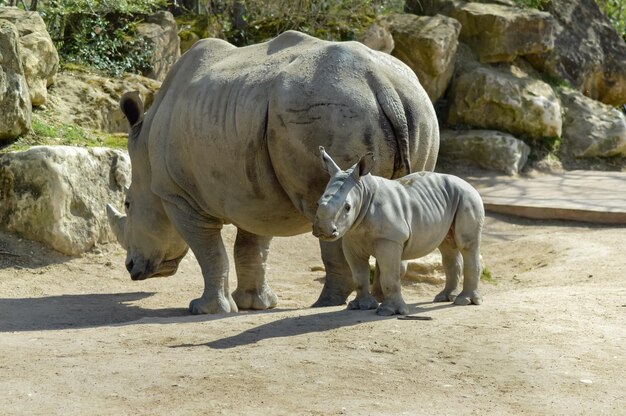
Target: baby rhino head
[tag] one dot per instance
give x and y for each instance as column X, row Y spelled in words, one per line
column 340, row 204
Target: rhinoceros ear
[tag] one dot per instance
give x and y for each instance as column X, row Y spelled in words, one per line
column 117, row 221
column 328, row 163
column 132, row 107
column 365, row 165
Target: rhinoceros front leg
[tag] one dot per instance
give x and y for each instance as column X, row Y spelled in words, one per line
column 252, row 291
column 205, row 240
column 389, row 257
column 338, row 283
column 360, row 266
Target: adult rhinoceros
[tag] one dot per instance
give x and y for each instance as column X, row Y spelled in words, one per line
column 233, row 137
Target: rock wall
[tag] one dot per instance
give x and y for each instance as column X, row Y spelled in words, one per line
column 503, row 56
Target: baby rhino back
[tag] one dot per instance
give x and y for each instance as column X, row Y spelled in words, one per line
column 434, row 206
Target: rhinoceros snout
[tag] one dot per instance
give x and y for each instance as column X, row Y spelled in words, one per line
column 328, row 233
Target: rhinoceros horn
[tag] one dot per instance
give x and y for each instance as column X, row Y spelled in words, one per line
column 117, row 220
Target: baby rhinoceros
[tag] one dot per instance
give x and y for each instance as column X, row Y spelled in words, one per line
column 396, row 220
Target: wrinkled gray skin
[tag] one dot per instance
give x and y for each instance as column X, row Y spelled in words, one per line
column 232, row 137
column 396, row 220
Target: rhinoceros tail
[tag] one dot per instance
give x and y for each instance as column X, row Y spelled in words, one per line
column 392, row 107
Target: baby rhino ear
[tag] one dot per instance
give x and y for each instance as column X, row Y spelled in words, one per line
column 365, row 165
column 328, row 163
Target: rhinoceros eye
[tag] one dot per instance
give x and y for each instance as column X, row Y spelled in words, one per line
column 347, row 208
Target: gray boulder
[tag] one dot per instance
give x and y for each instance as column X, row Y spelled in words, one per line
column 590, row 128
column 496, row 32
column 57, row 194
column 588, row 51
column 488, row 149
column 428, row 46
column 161, row 34
column 40, row 59
column 15, row 105
column 504, row 99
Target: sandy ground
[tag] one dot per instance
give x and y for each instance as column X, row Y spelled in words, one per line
column 78, row 337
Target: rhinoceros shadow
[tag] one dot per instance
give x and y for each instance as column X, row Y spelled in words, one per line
column 306, row 324
column 78, row 311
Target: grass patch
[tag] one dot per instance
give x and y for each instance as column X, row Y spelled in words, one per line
column 487, row 277
column 50, row 133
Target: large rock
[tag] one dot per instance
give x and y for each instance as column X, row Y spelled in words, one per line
column 161, row 34
column 57, row 195
column 15, row 105
column 40, row 59
column 92, row 101
column 588, row 51
column 496, row 32
column 499, row 99
column 488, row 149
column 428, row 46
column 590, row 128
column 378, row 37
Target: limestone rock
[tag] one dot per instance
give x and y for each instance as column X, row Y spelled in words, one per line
column 590, row 128
column 588, row 51
column 40, row 59
column 161, row 33
column 499, row 99
column 378, row 37
column 428, row 46
column 92, row 101
column 15, row 105
column 496, row 32
column 488, row 149
column 427, row 269
column 58, row 194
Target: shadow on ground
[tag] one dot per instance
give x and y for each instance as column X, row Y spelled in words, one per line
column 306, row 324
column 77, row 311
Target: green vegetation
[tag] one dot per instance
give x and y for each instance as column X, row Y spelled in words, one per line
column 50, row 133
column 252, row 21
column 100, row 33
column 487, row 277
column 534, row 4
column 615, row 10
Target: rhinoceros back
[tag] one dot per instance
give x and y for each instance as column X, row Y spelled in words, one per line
column 235, row 131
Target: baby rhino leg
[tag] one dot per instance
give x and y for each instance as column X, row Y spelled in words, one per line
column 360, row 267
column 467, row 233
column 452, row 262
column 389, row 257
column 377, row 290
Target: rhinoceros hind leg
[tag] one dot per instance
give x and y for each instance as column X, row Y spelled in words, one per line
column 338, row 283
column 213, row 304
column 393, row 306
column 452, row 262
column 467, row 298
column 363, row 303
column 250, row 253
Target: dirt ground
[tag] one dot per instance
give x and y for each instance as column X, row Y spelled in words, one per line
column 78, row 337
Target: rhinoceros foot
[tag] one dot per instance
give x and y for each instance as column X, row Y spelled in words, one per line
column 363, row 303
column 216, row 304
column 469, row 297
column 263, row 298
column 392, row 307
column 446, row 296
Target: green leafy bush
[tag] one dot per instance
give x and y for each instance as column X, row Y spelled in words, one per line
column 244, row 23
column 100, row 33
column 615, row 10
